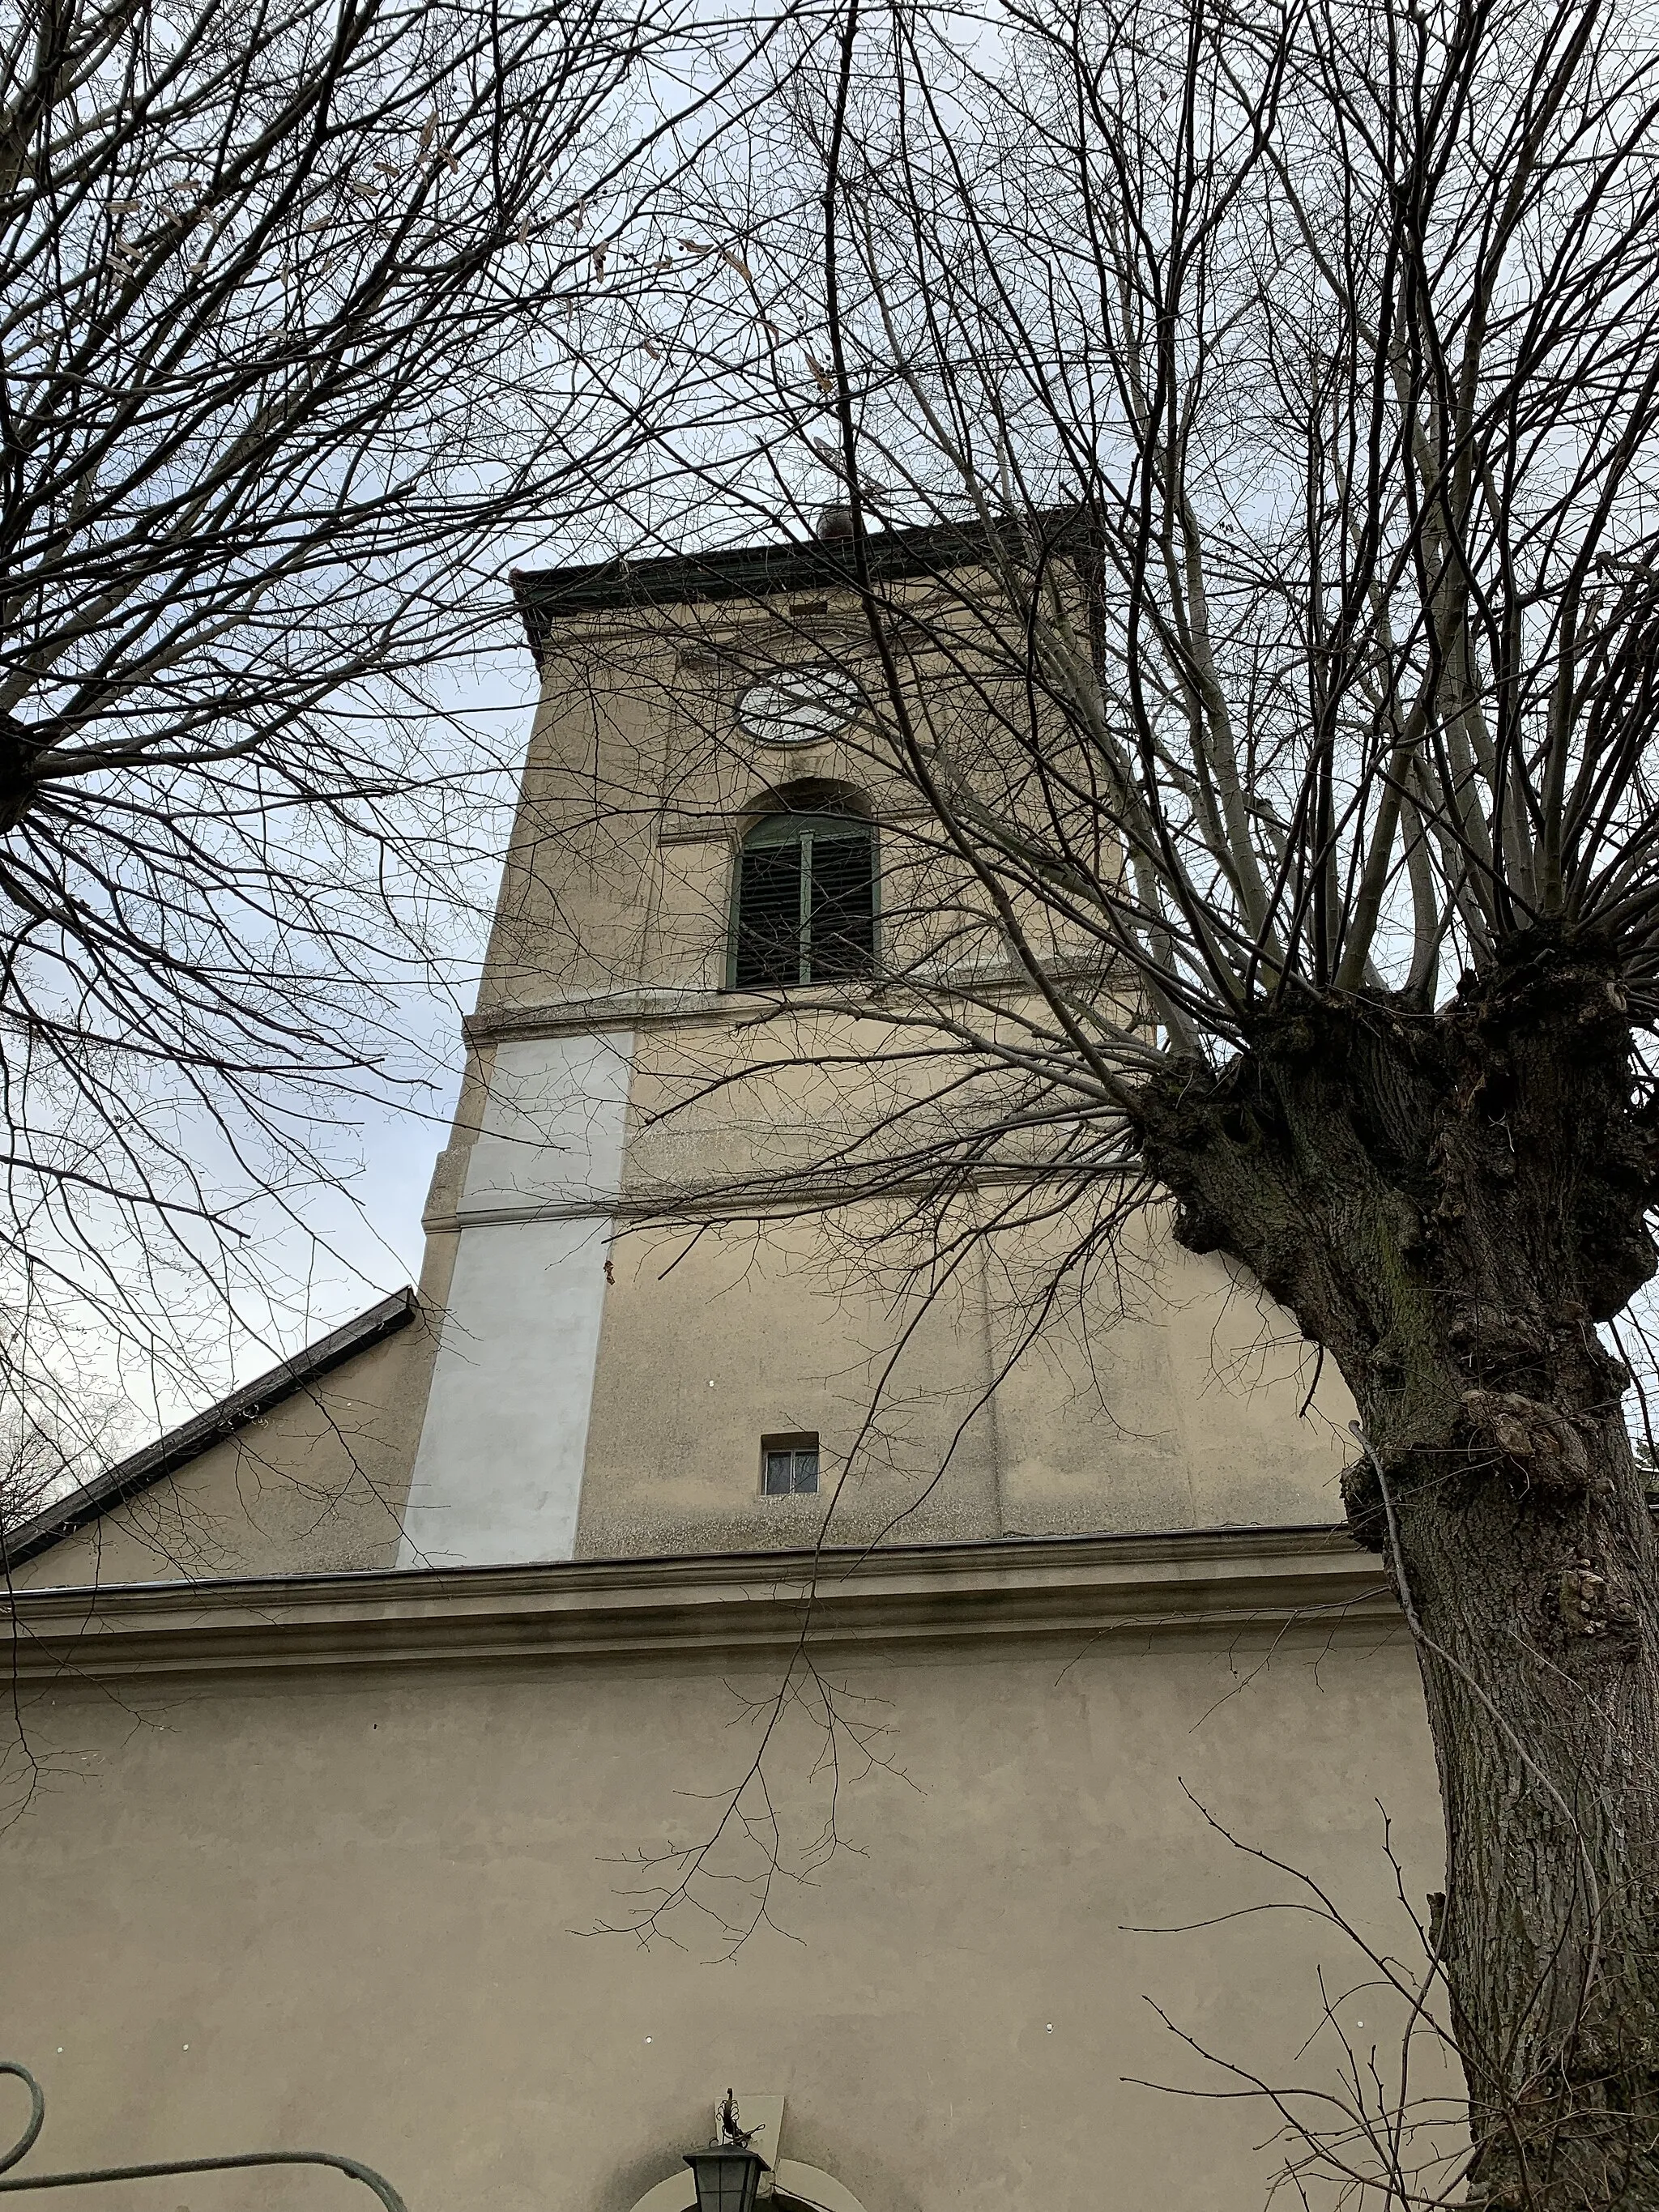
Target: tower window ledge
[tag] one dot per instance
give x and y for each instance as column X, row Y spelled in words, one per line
column 604, row 1010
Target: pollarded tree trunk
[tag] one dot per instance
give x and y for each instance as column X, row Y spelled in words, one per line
column 1449, row 1205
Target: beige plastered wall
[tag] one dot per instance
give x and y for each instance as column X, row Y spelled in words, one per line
column 639, row 779
column 1167, row 1401
column 356, row 1912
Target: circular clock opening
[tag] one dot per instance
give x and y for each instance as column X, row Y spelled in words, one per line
column 798, row 706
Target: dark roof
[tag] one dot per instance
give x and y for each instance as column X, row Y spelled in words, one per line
column 750, row 572
column 181, row 1445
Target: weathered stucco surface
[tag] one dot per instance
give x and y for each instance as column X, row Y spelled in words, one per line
column 349, row 1908
column 1179, row 1412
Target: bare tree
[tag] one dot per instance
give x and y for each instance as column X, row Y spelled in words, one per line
column 305, row 326
column 1266, row 758
column 43, row 1454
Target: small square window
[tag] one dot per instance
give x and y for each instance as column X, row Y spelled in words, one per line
column 789, row 1465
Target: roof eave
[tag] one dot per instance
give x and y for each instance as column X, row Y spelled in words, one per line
column 757, row 572
column 188, row 1442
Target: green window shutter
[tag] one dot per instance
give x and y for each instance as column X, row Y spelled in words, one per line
column 805, row 902
column 768, row 950
column 841, row 923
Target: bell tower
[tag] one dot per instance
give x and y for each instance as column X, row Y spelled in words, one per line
column 701, row 863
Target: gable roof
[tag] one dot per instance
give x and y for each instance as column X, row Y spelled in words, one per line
column 189, row 1440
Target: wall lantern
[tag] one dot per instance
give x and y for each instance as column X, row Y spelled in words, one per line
column 728, row 2173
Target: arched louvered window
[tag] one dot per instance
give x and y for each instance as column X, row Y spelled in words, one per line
column 805, row 906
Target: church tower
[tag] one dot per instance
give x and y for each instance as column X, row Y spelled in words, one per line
column 701, row 881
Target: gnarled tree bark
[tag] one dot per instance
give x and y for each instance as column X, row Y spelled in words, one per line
column 1450, row 1204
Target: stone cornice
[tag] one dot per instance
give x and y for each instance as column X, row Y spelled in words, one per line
column 784, row 1195
column 677, row 1007
column 1253, row 1584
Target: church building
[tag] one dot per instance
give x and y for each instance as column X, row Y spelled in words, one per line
column 694, row 1641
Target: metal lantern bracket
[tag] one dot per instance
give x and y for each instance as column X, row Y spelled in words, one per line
column 353, row 2167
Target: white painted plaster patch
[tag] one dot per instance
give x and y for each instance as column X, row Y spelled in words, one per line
column 554, row 1126
column 498, row 1475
